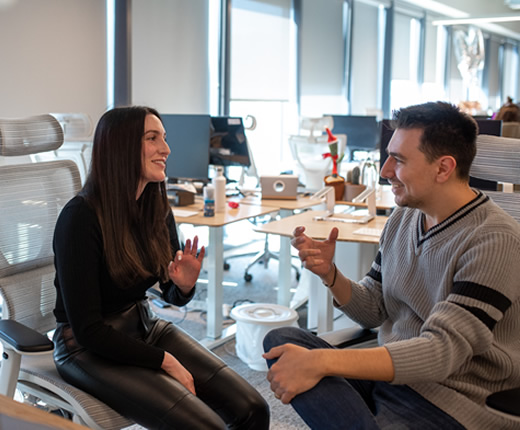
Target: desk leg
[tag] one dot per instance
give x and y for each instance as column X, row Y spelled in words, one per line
column 354, row 261
column 320, row 309
column 284, row 271
column 284, row 266
column 215, row 277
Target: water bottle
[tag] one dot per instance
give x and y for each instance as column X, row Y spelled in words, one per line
column 209, row 200
column 219, row 183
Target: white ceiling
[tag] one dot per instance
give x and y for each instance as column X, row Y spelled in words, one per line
column 470, row 8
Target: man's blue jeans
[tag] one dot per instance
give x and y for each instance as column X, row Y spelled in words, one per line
column 339, row 403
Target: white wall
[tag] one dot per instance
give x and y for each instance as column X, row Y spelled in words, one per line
column 52, row 57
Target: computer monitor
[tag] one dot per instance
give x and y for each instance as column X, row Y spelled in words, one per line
column 228, row 142
column 362, row 132
column 386, row 132
column 489, row 126
column 188, row 138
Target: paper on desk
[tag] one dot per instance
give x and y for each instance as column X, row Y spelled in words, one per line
column 183, row 213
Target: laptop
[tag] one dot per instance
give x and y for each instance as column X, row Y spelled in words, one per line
column 279, row 187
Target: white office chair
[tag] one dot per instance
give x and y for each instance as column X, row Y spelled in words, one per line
column 77, row 140
column 308, row 148
column 498, row 159
column 32, row 195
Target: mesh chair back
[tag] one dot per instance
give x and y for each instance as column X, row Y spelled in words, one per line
column 498, row 159
column 31, row 197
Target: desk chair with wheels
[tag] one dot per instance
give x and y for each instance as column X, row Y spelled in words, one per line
column 32, row 195
column 497, row 159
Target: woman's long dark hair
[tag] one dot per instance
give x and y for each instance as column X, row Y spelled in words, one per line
column 135, row 235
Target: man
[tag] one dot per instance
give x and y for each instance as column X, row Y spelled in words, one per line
column 443, row 291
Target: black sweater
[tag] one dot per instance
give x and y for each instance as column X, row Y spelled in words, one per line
column 86, row 292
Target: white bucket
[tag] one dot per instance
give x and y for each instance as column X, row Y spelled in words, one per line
column 253, row 323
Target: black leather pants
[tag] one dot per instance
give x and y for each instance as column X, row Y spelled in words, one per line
column 152, row 398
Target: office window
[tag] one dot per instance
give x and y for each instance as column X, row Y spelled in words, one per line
column 405, row 87
column 367, row 61
column 511, row 72
column 434, row 62
column 463, row 89
column 263, row 77
column 493, row 73
column 322, row 61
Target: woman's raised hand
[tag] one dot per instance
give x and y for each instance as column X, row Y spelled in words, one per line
column 185, row 268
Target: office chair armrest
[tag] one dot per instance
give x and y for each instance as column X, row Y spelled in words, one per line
column 505, row 403
column 349, row 337
column 23, row 339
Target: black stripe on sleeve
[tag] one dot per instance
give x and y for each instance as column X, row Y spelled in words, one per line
column 483, row 294
column 378, row 258
column 481, row 315
column 376, row 274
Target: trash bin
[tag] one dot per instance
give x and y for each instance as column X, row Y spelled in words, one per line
column 253, row 322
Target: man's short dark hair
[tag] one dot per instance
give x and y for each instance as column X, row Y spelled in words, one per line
column 446, row 131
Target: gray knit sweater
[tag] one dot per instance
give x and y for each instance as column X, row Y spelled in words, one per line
column 447, row 304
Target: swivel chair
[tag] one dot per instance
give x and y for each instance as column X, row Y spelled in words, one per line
column 498, row 159
column 32, row 195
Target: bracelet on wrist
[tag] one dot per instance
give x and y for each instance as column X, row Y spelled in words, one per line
column 333, row 279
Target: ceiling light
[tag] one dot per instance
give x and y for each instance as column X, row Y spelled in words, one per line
column 478, row 19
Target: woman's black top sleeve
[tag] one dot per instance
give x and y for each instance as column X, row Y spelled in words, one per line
column 86, row 293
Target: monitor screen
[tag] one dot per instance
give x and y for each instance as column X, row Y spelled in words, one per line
column 362, row 131
column 188, row 137
column 228, row 142
column 385, row 135
column 489, row 126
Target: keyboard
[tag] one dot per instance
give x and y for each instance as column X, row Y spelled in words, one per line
column 368, row 231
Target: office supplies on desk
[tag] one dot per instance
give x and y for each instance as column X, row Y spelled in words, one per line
column 367, row 231
column 279, row 187
column 347, row 218
column 183, row 213
column 180, row 195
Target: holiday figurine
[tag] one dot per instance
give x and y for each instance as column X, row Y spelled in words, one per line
column 334, row 180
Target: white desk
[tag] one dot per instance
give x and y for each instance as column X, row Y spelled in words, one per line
column 353, row 253
column 215, row 259
column 285, row 209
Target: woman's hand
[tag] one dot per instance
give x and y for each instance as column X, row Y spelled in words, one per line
column 185, row 268
column 177, row 371
column 316, row 255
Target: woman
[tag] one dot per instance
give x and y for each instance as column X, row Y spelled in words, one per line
column 112, row 242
